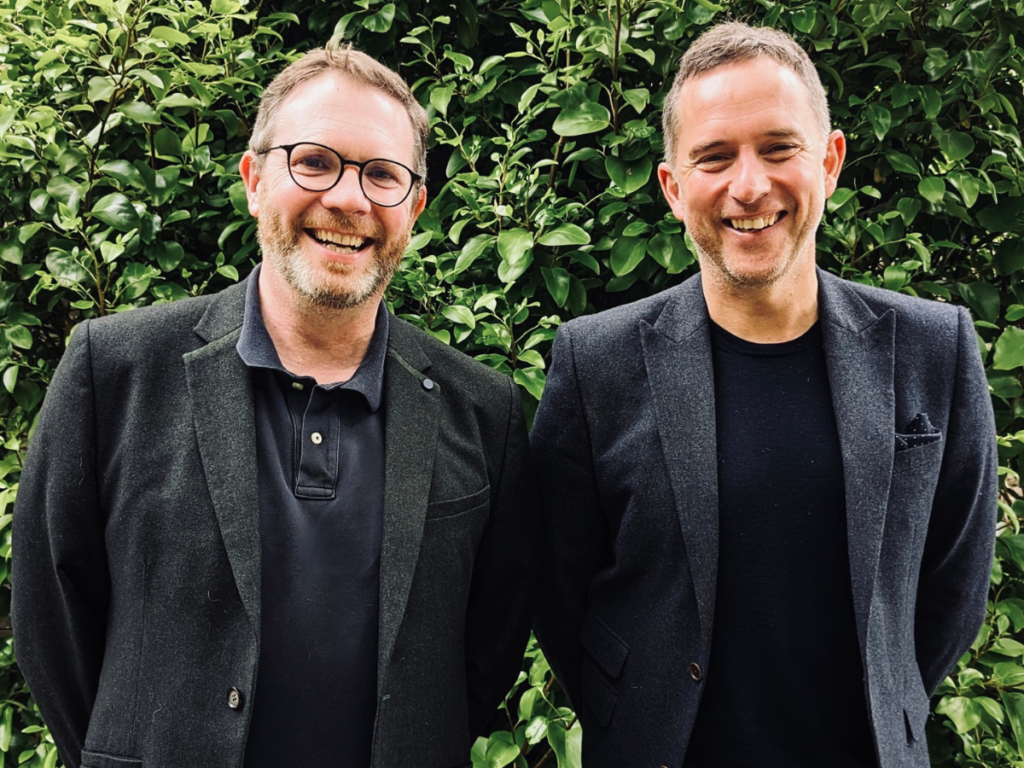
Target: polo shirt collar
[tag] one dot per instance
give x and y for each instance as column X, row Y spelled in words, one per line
column 257, row 350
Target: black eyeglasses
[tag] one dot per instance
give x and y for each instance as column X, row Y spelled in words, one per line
column 317, row 168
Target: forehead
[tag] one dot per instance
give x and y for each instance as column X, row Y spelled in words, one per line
column 741, row 101
column 358, row 121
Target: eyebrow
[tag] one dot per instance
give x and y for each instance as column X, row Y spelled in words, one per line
column 700, row 149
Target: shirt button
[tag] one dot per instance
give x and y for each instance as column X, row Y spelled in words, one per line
column 317, row 438
column 235, row 698
column 297, row 385
column 695, row 671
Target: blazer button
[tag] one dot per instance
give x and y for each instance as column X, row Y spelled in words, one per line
column 428, row 384
column 695, row 671
column 235, row 699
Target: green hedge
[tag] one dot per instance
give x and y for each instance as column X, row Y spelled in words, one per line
column 121, row 123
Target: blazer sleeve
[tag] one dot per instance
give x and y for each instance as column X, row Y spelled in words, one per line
column 60, row 579
column 573, row 525
column 954, row 579
column 504, row 577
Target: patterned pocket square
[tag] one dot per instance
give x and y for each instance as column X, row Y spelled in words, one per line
column 918, row 432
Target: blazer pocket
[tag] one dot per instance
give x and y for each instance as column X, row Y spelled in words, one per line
column 92, row 759
column 919, row 458
column 606, row 653
column 451, row 507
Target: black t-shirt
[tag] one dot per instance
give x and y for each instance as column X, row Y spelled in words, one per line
column 784, row 684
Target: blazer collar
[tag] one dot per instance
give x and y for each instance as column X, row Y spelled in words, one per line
column 859, row 353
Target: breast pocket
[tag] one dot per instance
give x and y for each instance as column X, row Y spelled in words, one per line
column 451, row 507
column 92, row 759
column 919, row 459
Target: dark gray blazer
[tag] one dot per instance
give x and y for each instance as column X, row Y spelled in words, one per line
column 624, row 444
column 137, row 555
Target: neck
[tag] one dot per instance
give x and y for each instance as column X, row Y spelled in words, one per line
column 325, row 344
column 772, row 314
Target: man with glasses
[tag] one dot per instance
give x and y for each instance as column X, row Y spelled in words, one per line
column 277, row 526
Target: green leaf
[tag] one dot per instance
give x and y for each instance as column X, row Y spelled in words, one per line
column 124, row 172
column 140, row 112
column 983, row 299
column 10, row 378
column 839, row 198
column 567, row 234
column 167, row 143
column 239, row 200
column 530, row 379
column 170, row 35
column 225, row 7
column 19, row 336
column 903, row 163
column 439, row 97
column 880, row 119
column 1009, row 348
column 117, row 211
column 627, row 253
column 908, row 207
column 1005, row 216
column 170, row 256
column 804, row 19
column 955, row 145
column 1008, row 647
column 380, row 21
column 586, row 118
column 472, row 250
column 101, row 89
column 628, row 176
column 961, row 710
column 931, row 100
column 513, row 244
column 932, row 189
column 460, row 314
column 1009, row 257
column 11, row 251
column 557, row 282
column 1014, row 704
column 1007, row 674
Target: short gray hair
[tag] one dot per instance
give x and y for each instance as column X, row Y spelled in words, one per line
column 355, row 65
column 736, row 41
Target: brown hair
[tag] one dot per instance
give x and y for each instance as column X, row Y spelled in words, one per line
column 350, row 63
column 736, row 41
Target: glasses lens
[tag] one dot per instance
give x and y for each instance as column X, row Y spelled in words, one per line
column 314, row 168
column 385, row 182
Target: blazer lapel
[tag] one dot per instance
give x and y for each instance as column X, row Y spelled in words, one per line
column 412, row 414
column 677, row 354
column 221, row 396
column 859, row 355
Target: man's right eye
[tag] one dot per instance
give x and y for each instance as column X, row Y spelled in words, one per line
column 311, row 163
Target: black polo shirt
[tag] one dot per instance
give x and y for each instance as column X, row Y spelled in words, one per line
column 320, row 463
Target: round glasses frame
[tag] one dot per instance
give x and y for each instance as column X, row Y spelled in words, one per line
column 414, row 177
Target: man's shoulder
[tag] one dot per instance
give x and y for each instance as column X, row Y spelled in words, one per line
column 912, row 312
column 617, row 324
column 156, row 324
column 455, row 367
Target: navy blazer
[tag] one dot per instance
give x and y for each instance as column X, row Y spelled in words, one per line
column 625, row 449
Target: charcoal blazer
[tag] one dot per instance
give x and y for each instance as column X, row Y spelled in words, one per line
column 136, row 602
column 625, row 447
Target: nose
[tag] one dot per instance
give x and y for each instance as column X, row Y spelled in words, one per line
column 750, row 180
column 347, row 195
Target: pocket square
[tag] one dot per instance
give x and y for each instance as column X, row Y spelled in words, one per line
column 918, row 432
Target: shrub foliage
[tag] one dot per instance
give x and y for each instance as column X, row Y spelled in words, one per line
column 121, row 124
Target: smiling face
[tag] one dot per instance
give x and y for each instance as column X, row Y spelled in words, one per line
column 333, row 249
column 751, row 173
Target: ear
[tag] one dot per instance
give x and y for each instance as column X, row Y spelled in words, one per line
column 835, row 153
column 418, row 204
column 251, row 178
column 671, row 187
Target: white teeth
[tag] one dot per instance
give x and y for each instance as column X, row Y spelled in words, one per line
column 755, row 223
column 348, row 241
